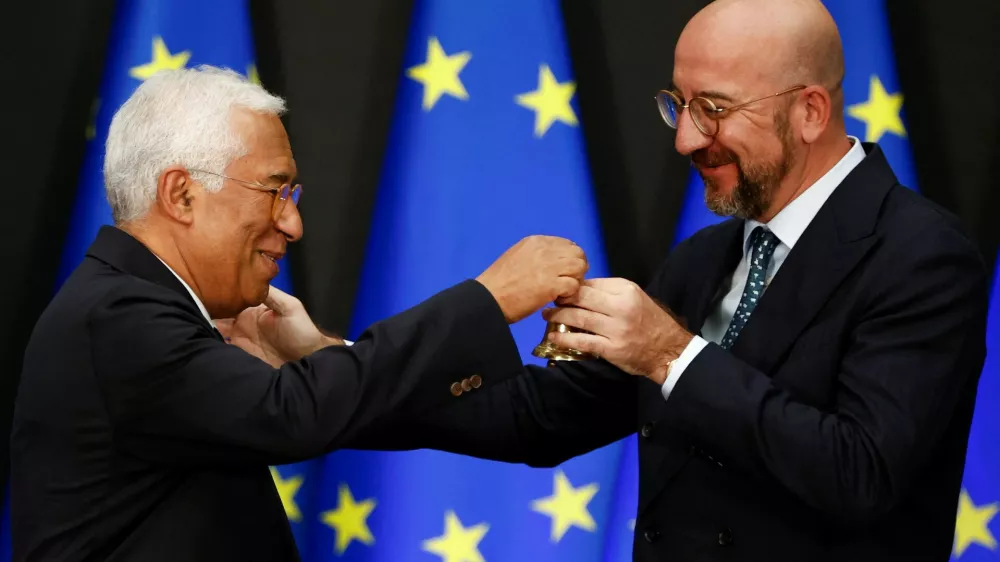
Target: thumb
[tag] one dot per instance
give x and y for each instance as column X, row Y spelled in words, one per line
column 225, row 327
column 279, row 301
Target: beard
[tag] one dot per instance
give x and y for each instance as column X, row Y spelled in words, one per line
column 756, row 181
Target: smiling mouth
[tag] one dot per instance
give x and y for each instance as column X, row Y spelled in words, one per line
column 274, row 257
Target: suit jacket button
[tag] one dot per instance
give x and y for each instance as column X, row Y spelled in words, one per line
column 650, row 534
column 647, row 429
column 726, row 537
column 476, row 381
column 456, row 389
column 466, row 385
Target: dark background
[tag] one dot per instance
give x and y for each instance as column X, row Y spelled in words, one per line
column 338, row 63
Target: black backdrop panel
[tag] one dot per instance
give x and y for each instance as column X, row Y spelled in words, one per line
column 338, row 64
column 622, row 55
column 51, row 59
column 948, row 57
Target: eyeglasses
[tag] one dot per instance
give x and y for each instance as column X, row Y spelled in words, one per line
column 281, row 194
column 704, row 112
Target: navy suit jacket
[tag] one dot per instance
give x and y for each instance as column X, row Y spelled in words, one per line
column 139, row 434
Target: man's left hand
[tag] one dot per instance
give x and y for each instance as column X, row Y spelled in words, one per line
column 277, row 331
column 628, row 328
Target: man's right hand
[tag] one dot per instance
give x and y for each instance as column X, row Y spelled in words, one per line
column 534, row 272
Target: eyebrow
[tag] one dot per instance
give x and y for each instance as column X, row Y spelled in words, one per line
column 279, row 178
column 715, row 95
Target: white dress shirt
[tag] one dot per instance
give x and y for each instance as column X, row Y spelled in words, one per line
column 197, row 301
column 788, row 225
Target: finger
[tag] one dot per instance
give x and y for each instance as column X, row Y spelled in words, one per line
column 279, row 301
column 575, row 251
column 225, row 327
column 580, row 318
column 613, row 285
column 567, row 286
column 572, row 266
column 588, row 343
column 592, row 299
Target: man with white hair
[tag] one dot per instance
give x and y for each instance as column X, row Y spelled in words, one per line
column 138, row 432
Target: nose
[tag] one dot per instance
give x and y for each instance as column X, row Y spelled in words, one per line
column 689, row 137
column 290, row 222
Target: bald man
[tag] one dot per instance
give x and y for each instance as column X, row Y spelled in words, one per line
column 814, row 401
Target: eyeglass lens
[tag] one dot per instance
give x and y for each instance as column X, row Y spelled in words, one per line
column 699, row 108
column 285, row 193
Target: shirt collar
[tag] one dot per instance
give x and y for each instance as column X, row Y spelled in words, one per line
column 789, row 224
column 197, row 301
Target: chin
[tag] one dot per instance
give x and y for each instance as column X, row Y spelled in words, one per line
column 260, row 295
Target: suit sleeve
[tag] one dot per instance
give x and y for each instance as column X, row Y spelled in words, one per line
column 177, row 394
column 542, row 417
column 916, row 350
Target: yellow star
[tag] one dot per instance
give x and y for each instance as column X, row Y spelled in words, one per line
column 550, row 101
column 439, row 74
column 287, row 488
column 880, row 112
column 162, row 60
column 972, row 524
column 567, row 506
column 350, row 520
column 457, row 544
column 252, row 74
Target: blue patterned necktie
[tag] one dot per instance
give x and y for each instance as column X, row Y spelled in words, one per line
column 762, row 244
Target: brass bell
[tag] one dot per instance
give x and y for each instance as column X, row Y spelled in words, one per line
column 552, row 352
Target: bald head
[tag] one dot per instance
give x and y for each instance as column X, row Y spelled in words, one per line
column 772, row 43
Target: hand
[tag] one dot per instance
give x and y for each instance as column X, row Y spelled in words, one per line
column 628, row 328
column 535, row 271
column 277, row 331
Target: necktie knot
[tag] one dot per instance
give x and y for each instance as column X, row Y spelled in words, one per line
column 762, row 244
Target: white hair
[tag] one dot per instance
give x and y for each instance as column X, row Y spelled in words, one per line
column 177, row 117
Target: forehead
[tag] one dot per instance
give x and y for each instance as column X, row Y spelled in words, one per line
column 714, row 60
column 268, row 148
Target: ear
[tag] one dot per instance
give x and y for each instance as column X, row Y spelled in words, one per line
column 815, row 109
column 175, row 194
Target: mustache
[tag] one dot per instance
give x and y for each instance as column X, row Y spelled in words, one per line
column 705, row 159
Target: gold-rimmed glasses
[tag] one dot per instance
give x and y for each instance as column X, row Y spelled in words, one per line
column 281, row 194
column 704, row 113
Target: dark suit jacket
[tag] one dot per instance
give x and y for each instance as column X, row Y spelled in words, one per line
column 139, row 434
column 836, row 427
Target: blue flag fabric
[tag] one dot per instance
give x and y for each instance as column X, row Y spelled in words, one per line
column 873, row 102
column 485, row 149
column 149, row 36
column 977, row 526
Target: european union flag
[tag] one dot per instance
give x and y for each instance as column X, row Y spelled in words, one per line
column 485, row 149
column 977, row 526
column 873, row 102
column 149, row 36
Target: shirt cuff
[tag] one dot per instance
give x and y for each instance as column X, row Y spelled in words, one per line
column 692, row 350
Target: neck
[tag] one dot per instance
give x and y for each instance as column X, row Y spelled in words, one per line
column 816, row 160
column 166, row 249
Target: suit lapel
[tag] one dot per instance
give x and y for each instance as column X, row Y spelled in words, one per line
column 120, row 250
column 719, row 253
column 833, row 244
column 812, row 271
